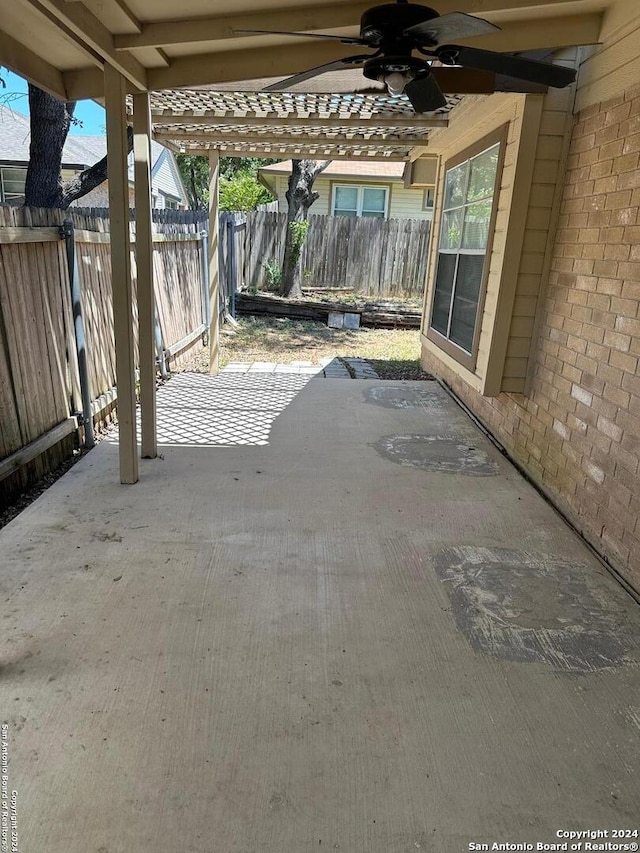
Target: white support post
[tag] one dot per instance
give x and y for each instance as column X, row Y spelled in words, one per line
column 214, row 270
column 115, row 91
column 144, row 266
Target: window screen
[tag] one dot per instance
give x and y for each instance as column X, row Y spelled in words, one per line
column 464, row 236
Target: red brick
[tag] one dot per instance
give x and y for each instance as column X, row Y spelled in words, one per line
column 624, row 216
column 628, row 326
column 631, row 144
column 609, row 373
column 628, row 180
column 618, row 199
column 617, row 114
column 626, row 163
column 625, row 362
column 610, row 429
column 616, row 340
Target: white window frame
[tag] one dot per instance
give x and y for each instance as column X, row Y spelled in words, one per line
column 465, row 357
column 360, row 188
column 15, row 197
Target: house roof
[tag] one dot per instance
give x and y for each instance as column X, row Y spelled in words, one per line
column 78, row 150
column 348, row 168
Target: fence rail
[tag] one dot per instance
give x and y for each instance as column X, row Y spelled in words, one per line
column 375, row 257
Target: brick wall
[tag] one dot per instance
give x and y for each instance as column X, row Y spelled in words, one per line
column 577, row 432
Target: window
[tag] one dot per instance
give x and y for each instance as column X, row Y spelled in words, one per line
column 429, row 198
column 466, row 228
column 352, row 200
column 12, row 182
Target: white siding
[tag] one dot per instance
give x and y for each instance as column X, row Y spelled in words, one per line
column 165, row 179
column 404, row 204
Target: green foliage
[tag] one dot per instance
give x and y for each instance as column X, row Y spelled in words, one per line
column 194, row 171
column 231, row 166
column 298, row 229
column 242, row 192
column 273, row 272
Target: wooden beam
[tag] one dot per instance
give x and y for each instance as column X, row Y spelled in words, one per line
column 76, row 18
column 115, row 93
column 162, row 119
column 318, row 141
column 326, row 18
column 259, row 62
column 144, row 267
column 29, row 234
column 551, row 32
column 214, row 269
column 284, row 153
column 15, row 56
column 12, row 463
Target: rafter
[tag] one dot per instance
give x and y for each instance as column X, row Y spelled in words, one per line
column 321, row 140
column 80, row 21
column 18, row 58
column 321, row 17
column 365, row 124
column 246, row 64
column 285, row 153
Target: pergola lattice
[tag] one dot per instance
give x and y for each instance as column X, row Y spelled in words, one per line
column 286, row 124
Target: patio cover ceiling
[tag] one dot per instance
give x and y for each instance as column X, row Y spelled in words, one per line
column 63, row 45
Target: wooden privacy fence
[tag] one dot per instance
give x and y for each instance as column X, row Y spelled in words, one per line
column 42, row 381
column 375, row 257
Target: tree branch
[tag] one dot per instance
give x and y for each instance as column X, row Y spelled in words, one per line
column 90, row 178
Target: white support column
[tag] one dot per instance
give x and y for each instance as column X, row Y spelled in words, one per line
column 144, row 266
column 115, row 91
column 214, row 270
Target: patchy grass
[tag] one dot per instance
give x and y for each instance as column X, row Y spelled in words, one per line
column 394, row 353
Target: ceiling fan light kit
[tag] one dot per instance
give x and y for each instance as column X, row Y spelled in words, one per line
column 396, row 30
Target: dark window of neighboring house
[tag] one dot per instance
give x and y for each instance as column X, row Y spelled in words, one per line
column 466, row 228
column 352, row 200
column 171, row 203
column 12, row 180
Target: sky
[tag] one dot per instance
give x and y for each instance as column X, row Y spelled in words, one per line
column 90, row 114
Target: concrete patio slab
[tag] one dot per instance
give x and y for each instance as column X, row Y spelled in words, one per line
column 361, row 631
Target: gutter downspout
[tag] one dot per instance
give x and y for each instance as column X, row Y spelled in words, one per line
column 78, row 324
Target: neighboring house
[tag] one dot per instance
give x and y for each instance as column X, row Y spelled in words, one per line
column 80, row 152
column 357, row 188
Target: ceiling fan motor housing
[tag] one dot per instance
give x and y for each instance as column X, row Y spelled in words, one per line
column 384, row 25
column 379, row 66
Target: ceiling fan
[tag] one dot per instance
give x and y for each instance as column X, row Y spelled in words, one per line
column 396, row 30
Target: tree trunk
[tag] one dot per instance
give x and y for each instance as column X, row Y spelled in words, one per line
column 300, row 197
column 50, row 123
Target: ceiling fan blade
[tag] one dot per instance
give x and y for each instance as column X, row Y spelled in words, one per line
column 424, row 93
column 456, row 25
column 339, row 64
column 513, row 66
column 343, row 39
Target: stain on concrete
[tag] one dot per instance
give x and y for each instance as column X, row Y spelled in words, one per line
column 442, row 453
column 536, row 609
column 399, row 397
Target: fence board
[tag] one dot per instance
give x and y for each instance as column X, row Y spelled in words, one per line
column 375, row 257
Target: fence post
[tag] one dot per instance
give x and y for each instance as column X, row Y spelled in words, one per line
column 78, row 324
column 231, row 258
column 206, row 302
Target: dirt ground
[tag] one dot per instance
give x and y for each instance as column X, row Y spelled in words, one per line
column 394, row 353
